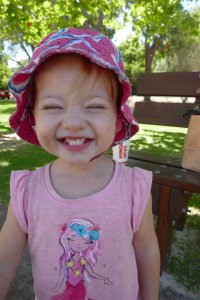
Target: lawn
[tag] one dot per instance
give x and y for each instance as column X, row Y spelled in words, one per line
column 6, row 107
column 16, row 155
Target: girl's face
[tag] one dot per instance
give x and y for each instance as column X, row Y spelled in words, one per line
column 78, row 244
column 74, row 124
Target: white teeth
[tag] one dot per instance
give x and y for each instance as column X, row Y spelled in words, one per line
column 74, row 142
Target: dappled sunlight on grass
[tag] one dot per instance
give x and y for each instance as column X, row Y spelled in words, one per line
column 184, row 262
column 165, row 140
column 4, row 163
column 6, row 109
column 11, row 145
column 19, row 156
column 195, row 202
column 5, row 128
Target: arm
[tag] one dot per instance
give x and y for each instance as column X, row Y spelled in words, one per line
column 147, row 256
column 97, row 276
column 59, row 282
column 12, row 243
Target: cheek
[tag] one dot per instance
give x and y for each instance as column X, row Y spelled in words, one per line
column 109, row 121
column 44, row 131
column 44, row 124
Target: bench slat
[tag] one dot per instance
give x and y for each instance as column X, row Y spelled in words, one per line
column 161, row 113
column 176, row 84
column 152, row 157
column 170, row 176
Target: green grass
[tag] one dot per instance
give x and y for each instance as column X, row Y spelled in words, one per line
column 159, row 139
column 15, row 156
column 184, row 263
column 156, row 139
column 6, row 108
column 19, row 157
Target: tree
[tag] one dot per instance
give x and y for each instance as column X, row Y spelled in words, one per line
column 156, row 23
column 26, row 22
column 5, row 72
column 132, row 52
column 184, row 55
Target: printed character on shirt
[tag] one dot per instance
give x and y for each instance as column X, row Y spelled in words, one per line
column 80, row 242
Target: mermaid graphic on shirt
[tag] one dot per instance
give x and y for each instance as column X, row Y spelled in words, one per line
column 80, row 241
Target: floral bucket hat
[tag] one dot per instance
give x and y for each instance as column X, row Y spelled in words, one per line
column 89, row 43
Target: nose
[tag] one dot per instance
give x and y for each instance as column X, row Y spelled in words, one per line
column 73, row 118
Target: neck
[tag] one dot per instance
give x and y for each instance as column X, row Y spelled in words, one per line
column 79, row 181
column 76, row 170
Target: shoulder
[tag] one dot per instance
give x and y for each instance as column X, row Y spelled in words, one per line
column 23, row 181
column 22, row 185
column 20, row 177
column 142, row 176
column 137, row 175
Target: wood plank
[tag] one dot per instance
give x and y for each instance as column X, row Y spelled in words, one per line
column 155, row 190
column 175, row 205
column 183, row 216
column 162, row 113
column 176, row 84
column 174, row 161
column 170, row 176
column 164, row 224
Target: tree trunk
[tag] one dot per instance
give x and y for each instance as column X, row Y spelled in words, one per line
column 25, row 50
column 100, row 20
column 149, row 54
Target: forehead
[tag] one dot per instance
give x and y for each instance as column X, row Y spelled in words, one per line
column 69, row 68
column 68, row 62
column 74, row 72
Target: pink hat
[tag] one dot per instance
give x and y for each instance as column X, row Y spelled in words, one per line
column 92, row 44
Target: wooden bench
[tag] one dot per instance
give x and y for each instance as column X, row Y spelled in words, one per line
column 172, row 185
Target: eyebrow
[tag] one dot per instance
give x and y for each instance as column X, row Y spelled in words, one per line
column 51, row 96
column 102, row 96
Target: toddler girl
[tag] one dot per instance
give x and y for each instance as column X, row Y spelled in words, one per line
column 88, row 220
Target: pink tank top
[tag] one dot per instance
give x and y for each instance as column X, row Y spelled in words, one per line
column 107, row 266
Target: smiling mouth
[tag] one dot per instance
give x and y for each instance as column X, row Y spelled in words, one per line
column 74, row 142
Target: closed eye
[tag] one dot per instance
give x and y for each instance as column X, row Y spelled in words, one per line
column 95, row 107
column 51, row 107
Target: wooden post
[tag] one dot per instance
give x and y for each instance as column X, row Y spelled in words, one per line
column 164, row 224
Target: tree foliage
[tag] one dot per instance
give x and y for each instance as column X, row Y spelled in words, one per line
column 160, row 25
column 5, row 72
column 184, row 55
column 26, row 22
column 132, row 52
column 161, row 29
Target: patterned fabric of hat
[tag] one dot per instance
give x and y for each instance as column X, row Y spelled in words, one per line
column 89, row 43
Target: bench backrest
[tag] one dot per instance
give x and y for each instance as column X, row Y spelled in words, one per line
column 173, row 84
